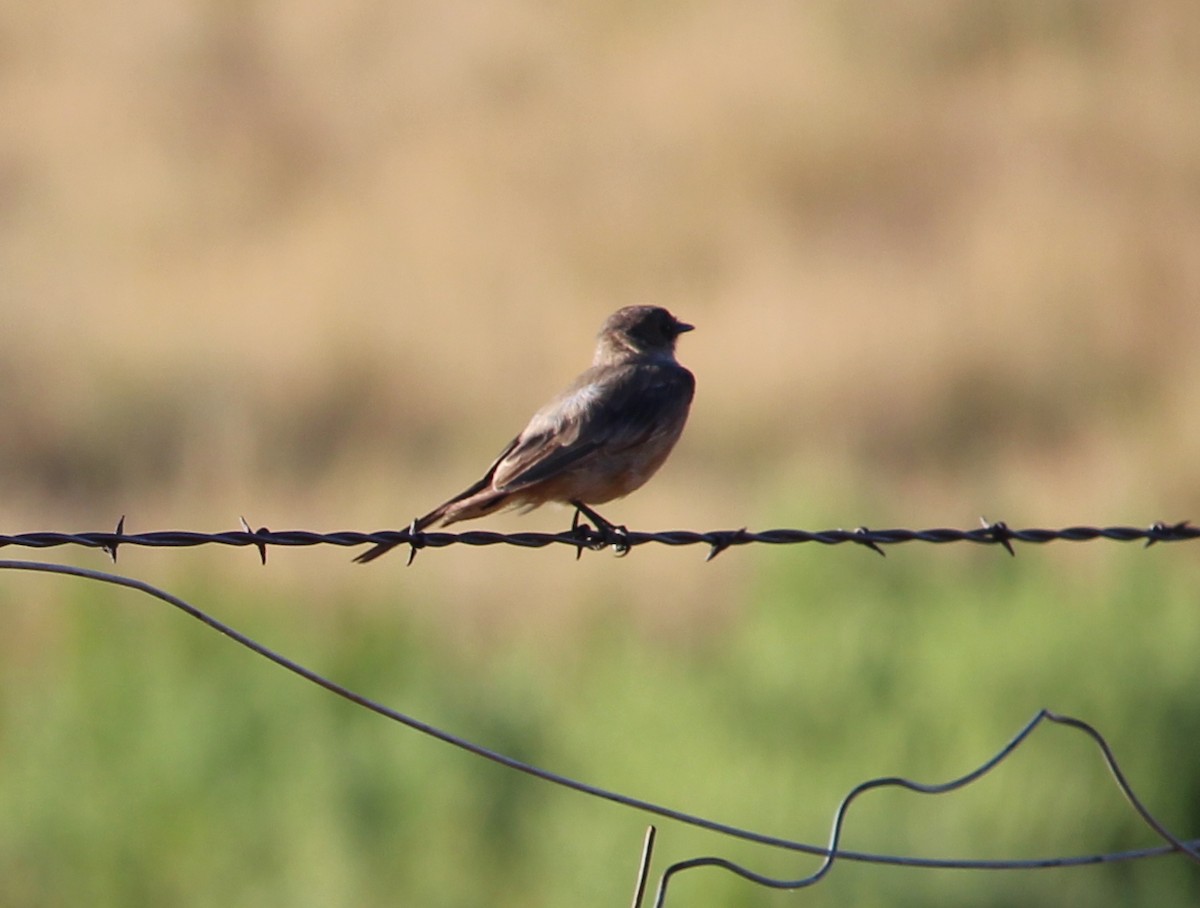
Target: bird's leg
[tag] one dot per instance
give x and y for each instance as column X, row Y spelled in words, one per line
column 610, row 533
column 575, row 532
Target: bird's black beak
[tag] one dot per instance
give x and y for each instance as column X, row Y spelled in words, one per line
column 683, row 327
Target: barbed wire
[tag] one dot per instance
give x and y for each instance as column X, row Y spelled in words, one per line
column 583, row 536
column 829, row 853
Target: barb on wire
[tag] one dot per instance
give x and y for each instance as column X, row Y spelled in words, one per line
column 583, row 536
column 111, row 549
column 261, row 546
column 828, row 853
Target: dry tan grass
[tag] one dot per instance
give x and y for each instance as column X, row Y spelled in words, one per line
column 318, row 261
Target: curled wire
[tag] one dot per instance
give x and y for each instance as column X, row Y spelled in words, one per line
column 1174, row 843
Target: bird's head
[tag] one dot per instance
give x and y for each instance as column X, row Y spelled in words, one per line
column 639, row 330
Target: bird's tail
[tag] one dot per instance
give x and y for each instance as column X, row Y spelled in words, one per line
column 421, row 523
column 477, row 501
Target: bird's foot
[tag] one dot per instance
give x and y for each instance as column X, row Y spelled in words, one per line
column 600, row 534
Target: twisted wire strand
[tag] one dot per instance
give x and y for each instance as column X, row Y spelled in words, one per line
column 587, row 537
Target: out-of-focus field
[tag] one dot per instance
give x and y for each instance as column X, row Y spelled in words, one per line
column 314, row 263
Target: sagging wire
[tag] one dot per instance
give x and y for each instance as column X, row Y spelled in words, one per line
column 827, row 853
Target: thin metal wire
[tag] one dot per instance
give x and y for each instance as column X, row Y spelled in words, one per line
column 650, row 807
column 1189, row 849
column 639, row 886
column 585, row 536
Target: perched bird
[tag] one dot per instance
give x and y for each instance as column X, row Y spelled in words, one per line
column 600, row 439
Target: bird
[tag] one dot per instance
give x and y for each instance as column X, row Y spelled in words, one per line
column 599, row 439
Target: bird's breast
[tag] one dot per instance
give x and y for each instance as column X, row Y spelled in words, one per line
column 608, row 474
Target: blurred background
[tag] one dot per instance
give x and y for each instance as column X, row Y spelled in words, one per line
column 316, row 263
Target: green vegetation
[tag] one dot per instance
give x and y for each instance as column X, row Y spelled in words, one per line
column 149, row 761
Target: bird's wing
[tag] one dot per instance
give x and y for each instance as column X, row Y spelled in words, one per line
column 608, row 408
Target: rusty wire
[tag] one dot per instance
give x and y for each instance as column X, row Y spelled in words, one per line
column 583, row 536
column 828, row 854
